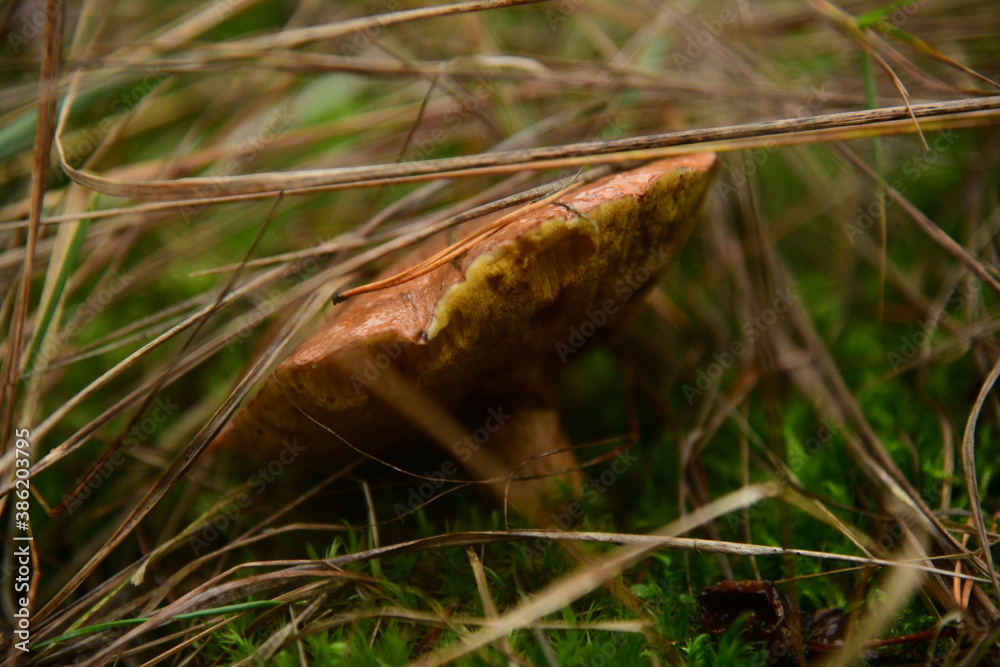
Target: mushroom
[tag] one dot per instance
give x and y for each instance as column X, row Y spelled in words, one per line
column 481, row 336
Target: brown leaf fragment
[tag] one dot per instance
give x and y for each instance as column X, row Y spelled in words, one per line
column 725, row 602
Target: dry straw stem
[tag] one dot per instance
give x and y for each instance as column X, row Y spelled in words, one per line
column 573, row 586
column 878, row 129
column 187, row 458
column 928, row 226
column 291, row 38
column 160, row 382
column 51, row 56
column 823, row 381
column 633, row 548
column 899, row 586
column 972, row 479
column 539, row 158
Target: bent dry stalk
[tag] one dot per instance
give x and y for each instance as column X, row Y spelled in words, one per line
column 480, row 331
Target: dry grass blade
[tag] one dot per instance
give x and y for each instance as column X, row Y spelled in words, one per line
column 901, row 584
column 51, row 60
column 175, row 472
column 160, row 382
column 873, row 458
column 268, row 649
column 971, row 476
column 469, row 166
column 292, row 38
column 848, row 25
column 486, row 598
column 586, row 579
column 210, row 596
column 137, row 356
column 886, row 128
column 931, row 229
column 637, row 546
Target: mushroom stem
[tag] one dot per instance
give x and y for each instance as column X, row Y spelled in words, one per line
column 529, row 451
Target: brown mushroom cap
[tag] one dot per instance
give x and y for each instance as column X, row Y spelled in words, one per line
column 499, row 310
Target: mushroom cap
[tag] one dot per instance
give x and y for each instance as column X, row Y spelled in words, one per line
column 501, row 309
